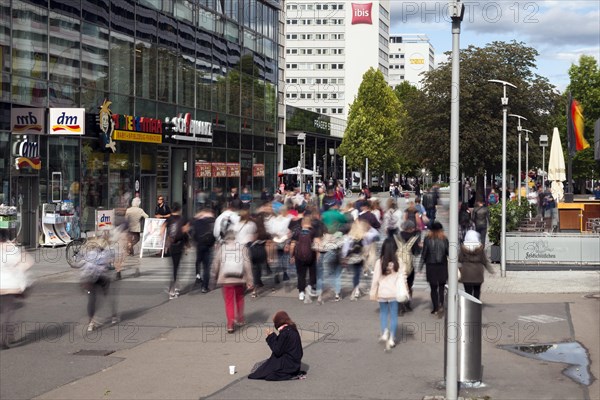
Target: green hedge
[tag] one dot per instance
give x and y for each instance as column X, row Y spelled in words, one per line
column 515, row 213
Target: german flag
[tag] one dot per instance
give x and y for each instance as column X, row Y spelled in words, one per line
column 575, row 136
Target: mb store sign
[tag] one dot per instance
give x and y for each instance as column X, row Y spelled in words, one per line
column 30, row 123
column 149, row 130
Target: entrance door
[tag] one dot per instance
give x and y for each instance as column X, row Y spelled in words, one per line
column 26, row 190
column 181, row 183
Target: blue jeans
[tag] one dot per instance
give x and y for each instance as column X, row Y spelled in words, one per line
column 328, row 261
column 283, row 260
column 357, row 269
column 389, row 309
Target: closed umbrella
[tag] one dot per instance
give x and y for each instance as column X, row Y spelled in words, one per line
column 556, row 167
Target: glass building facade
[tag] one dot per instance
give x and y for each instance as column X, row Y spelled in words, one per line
column 190, row 88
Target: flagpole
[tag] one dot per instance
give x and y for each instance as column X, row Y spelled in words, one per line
column 569, row 195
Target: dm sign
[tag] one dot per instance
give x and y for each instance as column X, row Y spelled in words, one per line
column 26, row 121
column 67, row 121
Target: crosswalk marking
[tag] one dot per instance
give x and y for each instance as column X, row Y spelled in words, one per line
column 540, row 318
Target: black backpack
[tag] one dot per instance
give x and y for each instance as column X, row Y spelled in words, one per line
column 303, row 251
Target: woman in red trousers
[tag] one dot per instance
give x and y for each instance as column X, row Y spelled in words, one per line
column 233, row 271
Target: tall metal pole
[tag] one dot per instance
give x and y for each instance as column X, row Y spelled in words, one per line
column 527, row 132
column 367, row 172
column 456, row 13
column 519, row 129
column 344, row 173
column 314, row 183
column 503, row 199
column 544, row 167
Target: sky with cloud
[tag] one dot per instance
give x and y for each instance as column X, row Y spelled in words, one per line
column 561, row 31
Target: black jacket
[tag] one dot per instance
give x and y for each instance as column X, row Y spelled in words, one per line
column 285, row 359
column 435, row 257
column 203, row 231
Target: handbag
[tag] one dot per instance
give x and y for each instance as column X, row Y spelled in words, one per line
column 402, row 292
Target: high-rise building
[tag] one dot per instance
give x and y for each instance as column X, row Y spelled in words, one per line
column 410, row 55
column 329, row 46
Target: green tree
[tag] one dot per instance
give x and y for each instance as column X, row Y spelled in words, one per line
column 481, row 111
column 374, row 126
column 584, row 86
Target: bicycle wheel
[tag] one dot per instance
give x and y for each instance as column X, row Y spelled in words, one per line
column 74, row 252
column 348, row 193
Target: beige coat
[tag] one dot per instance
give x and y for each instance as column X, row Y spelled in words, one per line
column 134, row 217
column 218, row 258
column 383, row 287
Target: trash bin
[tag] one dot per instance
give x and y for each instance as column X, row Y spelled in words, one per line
column 469, row 338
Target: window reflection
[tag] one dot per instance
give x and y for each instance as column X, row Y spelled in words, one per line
column 64, row 49
column 145, row 70
column 30, row 40
column 94, row 56
column 121, row 63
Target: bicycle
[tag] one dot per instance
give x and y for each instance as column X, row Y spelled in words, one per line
column 75, row 249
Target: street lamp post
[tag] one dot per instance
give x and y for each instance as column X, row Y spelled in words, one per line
column 527, row 132
column 333, row 172
column 519, row 128
column 457, row 11
column 503, row 199
column 543, row 145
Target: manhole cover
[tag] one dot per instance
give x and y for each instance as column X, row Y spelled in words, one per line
column 593, row 296
column 98, row 353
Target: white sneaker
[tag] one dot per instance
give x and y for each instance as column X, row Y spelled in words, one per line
column 301, row 296
column 390, row 344
column 198, row 277
column 385, row 336
column 310, row 291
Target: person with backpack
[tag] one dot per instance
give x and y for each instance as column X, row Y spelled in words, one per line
column 257, row 251
column 435, row 257
column 203, row 227
column 429, row 201
column 305, row 258
column 232, row 270
column 352, row 253
column 408, row 246
column 177, row 228
column 384, row 291
column 481, row 218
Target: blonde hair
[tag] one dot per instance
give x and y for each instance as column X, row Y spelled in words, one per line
column 358, row 230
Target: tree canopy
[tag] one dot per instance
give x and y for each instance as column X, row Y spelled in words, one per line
column 374, row 125
column 584, row 86
column 427, row 141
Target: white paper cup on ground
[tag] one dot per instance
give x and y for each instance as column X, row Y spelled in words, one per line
column 231, row 369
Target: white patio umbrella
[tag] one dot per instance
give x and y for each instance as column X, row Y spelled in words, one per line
column 556, row 167
column 296, row 171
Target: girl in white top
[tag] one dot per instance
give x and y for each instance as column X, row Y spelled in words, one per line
column 384, row 290
column 245, row 229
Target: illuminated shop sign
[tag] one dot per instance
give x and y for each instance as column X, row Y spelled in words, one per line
column 67, row 121
column 186, row 128
column 361, row 13
column 27, row 154
column 128, row 128
column 27, row 120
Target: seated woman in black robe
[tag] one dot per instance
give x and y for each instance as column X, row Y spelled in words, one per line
column 286, row 355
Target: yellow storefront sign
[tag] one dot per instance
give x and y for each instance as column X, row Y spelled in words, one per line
column 131, row 136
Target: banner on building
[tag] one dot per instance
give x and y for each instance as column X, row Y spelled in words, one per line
column 219, row 170
column 203, row 170
column 258, row 170
column 233, row 170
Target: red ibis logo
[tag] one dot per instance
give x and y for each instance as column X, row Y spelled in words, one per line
column 361, row 13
